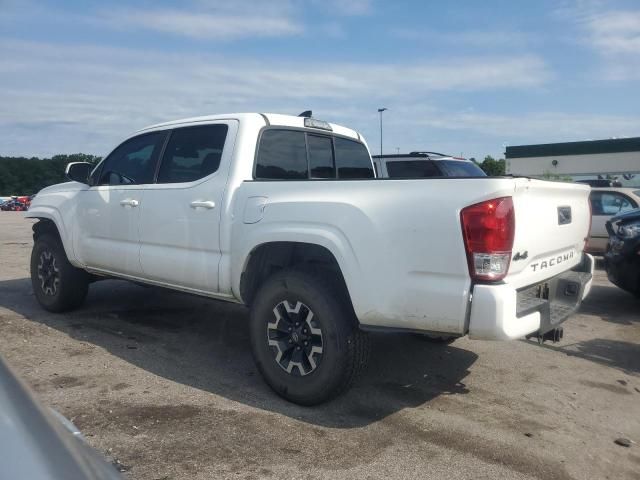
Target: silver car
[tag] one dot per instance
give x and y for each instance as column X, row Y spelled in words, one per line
column 607, row 202
column 40, row 444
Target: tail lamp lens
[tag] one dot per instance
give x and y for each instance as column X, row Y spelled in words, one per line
column 488, row 229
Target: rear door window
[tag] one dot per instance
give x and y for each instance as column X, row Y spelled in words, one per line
column 282, row 155
column 610, row 203
column 134, row 162
column 192, row 153
column 413, row 169
column 352, row 159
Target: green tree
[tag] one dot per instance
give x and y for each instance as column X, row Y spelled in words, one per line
column 554, row 177
column 493, row 167
column 26, row 176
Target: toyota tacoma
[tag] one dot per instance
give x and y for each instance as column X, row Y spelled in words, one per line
column 285, row 215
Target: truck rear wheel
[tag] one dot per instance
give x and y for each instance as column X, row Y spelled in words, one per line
column 58, row 285
column 305, row 339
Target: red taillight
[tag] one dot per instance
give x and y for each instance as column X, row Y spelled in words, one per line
column 488, row 229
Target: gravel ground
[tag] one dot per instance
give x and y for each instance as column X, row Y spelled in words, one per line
column 164, row 383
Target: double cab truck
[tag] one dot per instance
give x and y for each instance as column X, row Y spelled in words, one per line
column 285, row 215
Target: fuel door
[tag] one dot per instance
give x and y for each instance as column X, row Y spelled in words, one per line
column 254, row 209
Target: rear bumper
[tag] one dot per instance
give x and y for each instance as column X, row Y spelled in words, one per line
column 500, row 312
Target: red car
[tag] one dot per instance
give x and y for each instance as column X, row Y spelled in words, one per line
column 16, row 204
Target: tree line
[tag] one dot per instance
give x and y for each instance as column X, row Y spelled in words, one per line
column 491, row 166
column 26, row 176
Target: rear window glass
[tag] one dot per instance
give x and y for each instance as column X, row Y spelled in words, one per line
column 413, row 169
column 282, row 155
column 430, row 168
column 192, row 153
column 460, row 168
column 320, row 157
column 352, row 159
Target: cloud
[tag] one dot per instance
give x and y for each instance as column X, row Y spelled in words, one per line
column 204, row 26
column 217, row 19
column 211, row 19
column 345, row 7
column 542, row 127
column 616, row 32
column 70, row 98
column 97, row 95
column 612, row 33
column 502, row 39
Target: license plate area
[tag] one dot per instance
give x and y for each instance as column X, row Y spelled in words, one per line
column 555, row 298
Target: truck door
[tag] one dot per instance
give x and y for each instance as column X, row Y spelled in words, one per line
column 180, row 218
column 108, row 214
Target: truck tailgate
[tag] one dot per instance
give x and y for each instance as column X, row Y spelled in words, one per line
column 552, row 224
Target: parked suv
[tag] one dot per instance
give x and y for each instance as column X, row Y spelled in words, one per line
column 622, row 260
column 425, row 165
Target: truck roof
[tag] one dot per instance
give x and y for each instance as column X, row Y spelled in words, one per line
column 268, row 118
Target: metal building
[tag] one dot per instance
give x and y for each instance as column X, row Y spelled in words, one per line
column 593, row 157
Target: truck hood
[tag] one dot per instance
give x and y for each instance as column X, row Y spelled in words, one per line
column 54, row 198
column 626, row 216
column 63, row 187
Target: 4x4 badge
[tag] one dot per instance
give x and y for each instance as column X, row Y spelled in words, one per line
column 520, row 256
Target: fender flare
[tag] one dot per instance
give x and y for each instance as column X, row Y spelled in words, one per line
column 53, row 215
column 324, row 236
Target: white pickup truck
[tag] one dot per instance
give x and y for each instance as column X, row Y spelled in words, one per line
column 284, row 214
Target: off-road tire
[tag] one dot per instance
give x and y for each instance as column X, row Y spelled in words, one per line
column 345, row 349
column 69, row 286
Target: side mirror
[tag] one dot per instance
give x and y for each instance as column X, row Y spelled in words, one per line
column 78, row 171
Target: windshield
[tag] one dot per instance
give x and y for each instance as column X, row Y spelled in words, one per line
column 459, row 168
column 431, row 168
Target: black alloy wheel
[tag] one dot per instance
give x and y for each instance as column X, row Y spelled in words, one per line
column 58, row 285
column 295, row 338
column 305, row 337
column 48, row 273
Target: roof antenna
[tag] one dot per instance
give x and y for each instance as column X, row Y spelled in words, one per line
column 306, row 114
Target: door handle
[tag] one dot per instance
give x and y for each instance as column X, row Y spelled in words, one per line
column 129, row 202
column 208, row 204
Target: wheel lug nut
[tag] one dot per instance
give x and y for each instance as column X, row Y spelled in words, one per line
column 297, row 324
column 297, row 348
column 290, row 328
column 306, row 343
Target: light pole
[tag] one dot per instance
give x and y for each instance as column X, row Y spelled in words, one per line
column 380, row 110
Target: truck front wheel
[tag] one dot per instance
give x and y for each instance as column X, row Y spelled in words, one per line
column 304, row 337
column 58, row 285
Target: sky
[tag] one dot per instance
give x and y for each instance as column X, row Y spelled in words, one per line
column 465, row 77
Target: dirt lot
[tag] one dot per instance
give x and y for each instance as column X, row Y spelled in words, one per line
column 164, row 383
